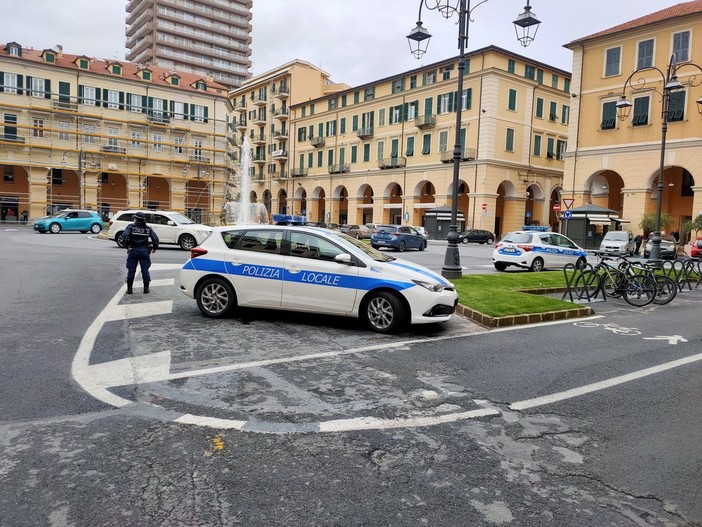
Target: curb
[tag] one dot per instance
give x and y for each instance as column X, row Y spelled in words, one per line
column 525, row 318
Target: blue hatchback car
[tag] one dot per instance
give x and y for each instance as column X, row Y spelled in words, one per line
column 70, row 220
column 398, row 237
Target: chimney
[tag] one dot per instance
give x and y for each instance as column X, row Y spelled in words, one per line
column 60, row 50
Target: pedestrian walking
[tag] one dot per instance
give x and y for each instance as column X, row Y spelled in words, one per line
column 140, row 241
column 638, row 239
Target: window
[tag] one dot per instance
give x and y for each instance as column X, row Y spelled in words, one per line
column 366, row 152
column 89, row 95
column 263, row 241
column 560, row 149
column 136, row 102
column 645, row 54
column 146, row 75
column 369, row 94
column 320, row 157
column 443, row 141
column 553, row 111
column 550, row 154
column 609, row 115
column 444, row 105
column 10, row 126
column 343, row 101
column 428, row 77
column 310, row 159
column 38, row 87
column 554, row 81
column 354, row 154
column 83, row 64
column 426, row 144
column 198, row 112
column 303, row 245
column 539, row 108
column 413, row 81
column 10, row 83
column 179, row 110
column 511, row 65
column 112, row 141
column 509, row 140
column 199, row 85
column 566, row 85
column 113, row 99
column 175, row 81
column 49, row 57
column 410, row 146
column 537, row 145
column 381, row 149
column 57, row 176
column 681, row 46
column 612, row 61
column 641, row 105
column 9, row 173
column 62, row 135
column 15, row 51
column 540, row 76
column 157, row 142
column 331, row 103
column 331, row 129
column 356, row 97
column 466, row 99
column 381, row 117
column 529, row 72
column 565, row 114
column 397, row 85
column 38, row 127
column 676, row 106
column 136, row 139
column 512, row 101
column 178, row 144
column 446, row 73
column 395, row 114
column 342, row 125
column 116, row 69
column 311, row 109
column 89, row 130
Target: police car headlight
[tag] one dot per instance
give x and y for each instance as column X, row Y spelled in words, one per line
column 436, row 288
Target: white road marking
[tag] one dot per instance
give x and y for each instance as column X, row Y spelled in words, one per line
column 672, row 339
column 165, row 267
column 373, row 423
column 596, row 386
column 162, row 282
column 212, row 422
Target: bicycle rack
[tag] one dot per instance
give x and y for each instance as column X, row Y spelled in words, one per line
column 681, row 271
column 573, row 274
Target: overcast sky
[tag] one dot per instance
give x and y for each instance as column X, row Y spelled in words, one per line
column 355, row 41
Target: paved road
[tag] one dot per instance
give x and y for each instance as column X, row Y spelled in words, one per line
column 136, row 410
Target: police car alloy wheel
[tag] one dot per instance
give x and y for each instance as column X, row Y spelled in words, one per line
column 95, row 228
column 55, row 228
column 215, row 298
column 187, row 242
column 384, row 312
column 537, row 265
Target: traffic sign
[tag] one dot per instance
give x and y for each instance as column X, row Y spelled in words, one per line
column 484, row 206
column 568, row 202
column 567, row 214
column 556, row 207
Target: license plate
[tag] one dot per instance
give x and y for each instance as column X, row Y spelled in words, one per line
column 509, row 250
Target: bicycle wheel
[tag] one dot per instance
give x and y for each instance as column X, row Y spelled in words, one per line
column 586, row 285
column 639, row 290
column 666, row 289
column 613, row 283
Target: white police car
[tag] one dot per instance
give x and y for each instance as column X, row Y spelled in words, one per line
column 537, row 251
column 313, row 270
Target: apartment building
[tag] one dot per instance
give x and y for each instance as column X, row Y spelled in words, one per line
column 210, row 38
column 105, row 135
column 261, row 114
column 615, row 163
column 382, row 152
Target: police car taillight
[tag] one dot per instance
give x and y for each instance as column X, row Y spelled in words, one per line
column 526, row 248
column 498, row 245
column 197, row 251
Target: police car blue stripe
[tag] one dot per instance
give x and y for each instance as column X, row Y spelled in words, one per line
column 436, row 277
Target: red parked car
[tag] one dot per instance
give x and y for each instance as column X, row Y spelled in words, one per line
column 696, row 249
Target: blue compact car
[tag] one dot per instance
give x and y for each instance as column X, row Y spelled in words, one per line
column 70, row 220
column 398, row 237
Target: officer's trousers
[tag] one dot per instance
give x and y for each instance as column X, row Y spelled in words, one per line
column 141, row 256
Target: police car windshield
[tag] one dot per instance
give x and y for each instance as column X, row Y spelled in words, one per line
column 364, row 248
column 180, row 219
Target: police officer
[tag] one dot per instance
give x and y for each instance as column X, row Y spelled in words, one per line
column 136, row 239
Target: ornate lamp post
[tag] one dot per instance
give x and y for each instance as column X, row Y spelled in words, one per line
column 419, row 41
column 671, row 84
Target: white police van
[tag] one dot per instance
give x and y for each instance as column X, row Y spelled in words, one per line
column 312, row 270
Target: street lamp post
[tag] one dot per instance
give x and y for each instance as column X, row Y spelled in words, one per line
column 671, row 84
column 419, row 41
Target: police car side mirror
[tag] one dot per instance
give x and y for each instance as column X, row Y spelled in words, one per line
column 343, row 258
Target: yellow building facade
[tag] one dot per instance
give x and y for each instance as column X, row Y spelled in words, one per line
column 615, row 163
column 382, row 152
column 107, row 135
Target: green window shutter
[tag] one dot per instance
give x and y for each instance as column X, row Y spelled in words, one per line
column 300, row 131
column 537, row 145
column 463, row 139
column 405, row 112
column 549, row 148
column 330, row 157
column 320, row 127
column 509, row 141
column 354, row 154
column 29, row 85
column 394, row 146
column 469, row 98
column 553, row 109
column 452, row 98
column 64, row 91
column 192, row 112
column 80, row 93
column 512, row 104
column 310, row 159
column 342, row 155
column 354, row 125
column 104, row 96
column 438, row 104
column 342, row 125
column 366, row 152
column 121, row 100
column 539, row 107
column 311, row 132
column 410, row 146
column 302, row 160
column 320, row 158
column 426, row 144
column 206, row 114
column 2, row 81
column 428, row 106
column 150, row 104
column 19, row 84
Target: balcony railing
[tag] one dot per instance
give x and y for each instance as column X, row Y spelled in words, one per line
column 155, row 118
column 282, row 175
column 259, row 158
column 258, row 139
column 259, row 101
column 14, row 138
column 241, row 124
column 365, row 133
column 317, row 141
column 198, row 158
column 425, row 121
column 64, row 106
column 299, row 172
column 468, row 154
column 114, row 149
column 232, row 140
column 281, row 114
column 280, row 154
column 282, row 134
column 339, row 169
column 392, row 162
column 282, row 92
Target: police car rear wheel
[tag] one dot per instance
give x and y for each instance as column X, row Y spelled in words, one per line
column 215, row 298
column 384, row 312
column 537, row 265
column 187, row 242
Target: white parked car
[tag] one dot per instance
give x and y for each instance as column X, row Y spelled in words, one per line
column 171, row 227
column 313, row 270
column 537, row 251
column 618, row 243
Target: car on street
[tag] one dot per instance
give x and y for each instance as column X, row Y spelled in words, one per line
column 70, row 220
column 360, row 232
column 669, row 247
column 398, row 237
column 314, row 270
column 696, row 248
column 171, row 227
column 476, row 236
column 422, row 231
column 618, row 243
column 537, row 251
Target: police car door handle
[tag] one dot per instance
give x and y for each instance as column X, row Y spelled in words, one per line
column 236, row 261
column 294, row 269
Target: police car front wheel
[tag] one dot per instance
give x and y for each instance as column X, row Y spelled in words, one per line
column 215, row 298
column 384, row 312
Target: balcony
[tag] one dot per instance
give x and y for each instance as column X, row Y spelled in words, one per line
column 424, row 122
column 339, row 169
column 280, row 155
column 259, row 120
column 259, row 139
column 158, row 118
column 64, row 107
column 281, row 175
column 113, row 149
column 392, row 162
column 281, row 134
column 239, row 107
column 259, row 158
column 468, row 154
column 198, row 158
column 299, row 172
column 365, row 133
column 317, row 141
column 281, row 114
column 283, row 92
column 241, row 125
column 13, row 138
column 259, row 101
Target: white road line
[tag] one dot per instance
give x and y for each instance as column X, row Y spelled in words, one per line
column 165, row 266
column 127, row 311
column 162, row 282
column 211, row 422
column 596, row 386
column 373, row 423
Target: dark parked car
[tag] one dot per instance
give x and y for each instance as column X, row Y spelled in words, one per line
column 398, row 237
column 476, row 236
column 669, row 247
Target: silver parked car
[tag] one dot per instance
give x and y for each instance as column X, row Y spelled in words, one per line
column 618, row 243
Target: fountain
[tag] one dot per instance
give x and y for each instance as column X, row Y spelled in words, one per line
column 241, row 210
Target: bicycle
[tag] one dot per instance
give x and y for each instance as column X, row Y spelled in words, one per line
column 638, row 289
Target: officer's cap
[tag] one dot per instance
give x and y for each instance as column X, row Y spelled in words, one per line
column 140, row 216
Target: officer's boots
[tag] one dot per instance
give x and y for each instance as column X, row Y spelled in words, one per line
column 130, row 283
column 146, row 287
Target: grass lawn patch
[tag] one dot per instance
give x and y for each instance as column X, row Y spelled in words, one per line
column 502, row 294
